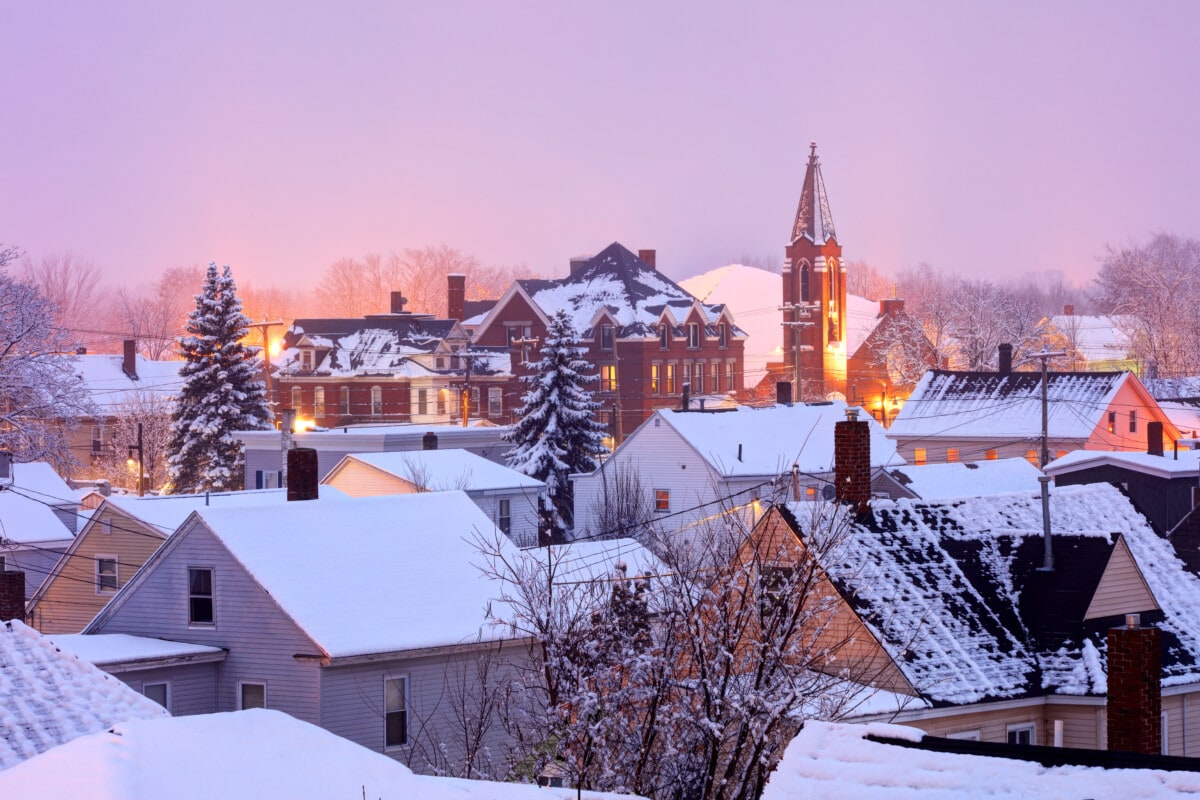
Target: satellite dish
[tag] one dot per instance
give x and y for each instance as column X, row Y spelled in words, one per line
column 828, row 492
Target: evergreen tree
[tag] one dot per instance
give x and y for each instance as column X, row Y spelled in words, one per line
column 557, row 432
column 221, row 392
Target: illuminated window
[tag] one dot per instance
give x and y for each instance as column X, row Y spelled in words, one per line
column 495, row 401
column 991, row 455
column 1133, row 422
column 344, row 401
column 662, row 499
column 693, row 336
column 376, row 401
column 319, row 401
column 951, row 455
column 1112, row 422
column 1032, row 457
column 671, row 378
column 297, row 397
column 919, row 455
column 655, row 378
column 698, row 378
column 1060, row 454
column 608, row 378
column 810, row 492
column 606, row 337
column 664, row 336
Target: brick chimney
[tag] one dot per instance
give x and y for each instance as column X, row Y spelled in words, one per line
column 429, row 441
column 12, row 595
column 1134, row 688
column 852, row 461
column 398, row 300
column 456, row 296
column 129, row 361
column 891, row 306
column 783, row 393
column 578, row 263
column 1154, row 438
column 1005, row 359
column 649, row 256
column 1069, row 310
column 81, row 351
column 302, row 474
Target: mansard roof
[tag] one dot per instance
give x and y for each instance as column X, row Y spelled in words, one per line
column 813, row 218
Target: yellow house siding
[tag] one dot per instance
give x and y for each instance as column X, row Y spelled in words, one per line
column 360, row 480
column 69, row 600
column 1121, row 590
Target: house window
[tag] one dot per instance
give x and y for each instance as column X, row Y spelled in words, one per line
column 1032, row 457
column 268, row 479
column 687, row 375
column 606, row 337
column 504, row 515
column 1060, row 453
column 964, row 736
column 97, row 439
column 106, row 574
column 422, row 401
column 716, row 377
column 698, row 378
column 517, row 334
column 495, row 401
column 106, row 527
column 671, row 378
column 344, row 401
column 655, row 378
column 774, row 587
column 252, row 694
column 439, row 362
column 395, row 712
column 662, row 499
column 722, row 334
column 474, row 399
column 919, row 455
column 1133, row 421
column 608, row 378
column 297, row 397
column 810, row 492
column 200, row 596
column 664, row 336
column 319, row 401
column 1024, row 733
column 376, row 401
column 729, row 385
column 693, row 333
column 159, row 693
column 1112, row 422
column 991, row 455
column 951, row 455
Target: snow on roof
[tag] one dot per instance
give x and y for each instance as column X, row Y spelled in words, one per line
column 447, row 469
column 770, row 440
column 945, row 481
column 975, row 622
column 115, row 648
column 966, row 404
column 398, row 572
column 635, row 293
column 110, row 388
column 51, row 697
column 38, row 479
column 29, row 519
column 247, row 755
column 600, row 560
column 1184, row 464
column 1183, row 414
column 828, row 759
column 167, row 512
column 1173, row 388
column 1096, row 338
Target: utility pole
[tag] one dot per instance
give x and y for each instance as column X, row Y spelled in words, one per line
column 800, row 312
column 266, row 326
column 1044, row 480
column 140, row 461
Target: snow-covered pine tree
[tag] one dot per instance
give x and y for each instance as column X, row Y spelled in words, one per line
column 557, row 432
column 221, row 392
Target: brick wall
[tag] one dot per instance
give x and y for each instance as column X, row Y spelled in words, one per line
column 12, row 595
column 852, row 462
column 1134, row 690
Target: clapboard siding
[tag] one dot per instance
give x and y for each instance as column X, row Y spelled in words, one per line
column 1121, row 589
column 361, row 480
column 193, row 687
column 522, row 507
column 352, row 704
column 69, row 600
column 37, row 564
column 260, row 639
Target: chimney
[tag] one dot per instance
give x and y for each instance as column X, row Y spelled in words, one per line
column 852, row 461
column 429, row 441
column 890, row 306
column 129, row 362
column 578, row 263
column 686, row 398
column 81, row 351
column 1154, row 438
column 302, row 474
column 456, row 296
column 1134, row 688
column 649, row 256
column 1069, row 310
column 1005, row 359
column 12, row 595
column 398, row 301
column 783, row 393
column 5, row 464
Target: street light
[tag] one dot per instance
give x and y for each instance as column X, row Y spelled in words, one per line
column 140, row 463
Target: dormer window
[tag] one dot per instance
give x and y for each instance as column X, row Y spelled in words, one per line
column 606, row 337
column 664, row 336
column 306, row 360
column 693, row 334
column 723, row 334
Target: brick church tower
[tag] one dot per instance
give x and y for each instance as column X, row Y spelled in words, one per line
column 814, row 295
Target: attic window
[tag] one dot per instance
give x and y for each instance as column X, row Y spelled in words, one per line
column 664, row 336
column 306, row 360
column 1112, row 422
column 1133, row 421
column 723, row 334
column 951, row 455
column 662, row 500
column 693, row 334
column 606, row 337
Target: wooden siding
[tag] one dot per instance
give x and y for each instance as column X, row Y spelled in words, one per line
column 352, row 704
column 975, row 449
column 260, row 638
column 69, row 600
column 1122, row 589
column 1081, row 723
column 1183, row 723
column 522, row 510
column 193, row 687
column 36, row 564
column 362, row 480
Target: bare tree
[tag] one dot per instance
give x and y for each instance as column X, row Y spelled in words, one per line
column 80, row 294
column 118, row 460
column 865, row 281
column 155, row 315
column 623, row 510
column 771, row 262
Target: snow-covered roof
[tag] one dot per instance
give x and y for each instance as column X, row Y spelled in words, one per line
column 399, row 573
column 828, row 759
column 1183, row 414
column 753, row 296
column 52, row 697
column 951, row 589
column 103, row 649
column 29, row 519
column 38, row 479
column 247, row 755
column 969, row 479
column 600, row 560
column 635, row 293
column 1006, row 405
column 438, row 470
column 168, row 511
column 750, row 442
column 1184, row 464
column 1096, row 338
column 1173, row 388
column 111, row 389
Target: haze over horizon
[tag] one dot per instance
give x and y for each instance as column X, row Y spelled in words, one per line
column 990, row 141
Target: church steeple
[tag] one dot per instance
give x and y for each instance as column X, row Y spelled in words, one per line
column 813, row 220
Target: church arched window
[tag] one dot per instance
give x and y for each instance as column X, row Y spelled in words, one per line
column 805, row 292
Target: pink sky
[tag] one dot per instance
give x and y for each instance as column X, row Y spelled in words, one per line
column 989, row 139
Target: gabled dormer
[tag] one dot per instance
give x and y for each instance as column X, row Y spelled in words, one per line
column 310, row 352
column 666, row 328
column 604, row 330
